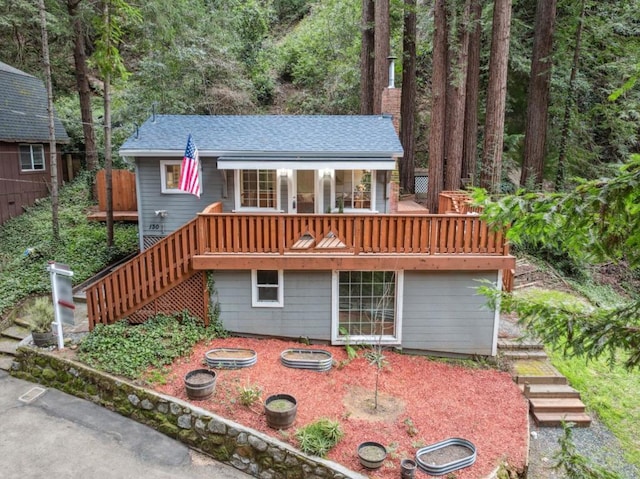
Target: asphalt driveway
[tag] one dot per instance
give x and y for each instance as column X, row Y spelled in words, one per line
column 58, row 435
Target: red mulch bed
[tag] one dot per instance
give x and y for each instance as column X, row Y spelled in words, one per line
column 423, row 401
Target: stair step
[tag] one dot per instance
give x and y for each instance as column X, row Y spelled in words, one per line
column 516, row 344
column 559, row 405
column 16, row 332
column 515, row 354
column 23, row 322
column 555, row 419
column 8, row 346
column 536, row 371
column 551, row 391
column 6, row 362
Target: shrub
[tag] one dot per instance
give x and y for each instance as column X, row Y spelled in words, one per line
column 319, row 437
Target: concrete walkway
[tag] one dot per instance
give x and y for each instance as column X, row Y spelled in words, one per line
column 57, row 435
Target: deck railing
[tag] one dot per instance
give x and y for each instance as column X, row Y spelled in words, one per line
column 358, row 234
column 144, row 277
column 456, row 202
column 168, row 262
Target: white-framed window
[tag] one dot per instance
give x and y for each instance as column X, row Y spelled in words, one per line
column 170, row 176
column 367, row 306
column 31, row 158
column 267, row 288
column 256, row 189
column 354, row 190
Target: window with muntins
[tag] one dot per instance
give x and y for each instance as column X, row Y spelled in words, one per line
column 267, row 288
column 367, row 304
column 354, row 189
column 258, row 189
column 170, row 176
column 31, row 157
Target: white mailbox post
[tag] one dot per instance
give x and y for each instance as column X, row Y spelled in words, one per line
column 62, row 296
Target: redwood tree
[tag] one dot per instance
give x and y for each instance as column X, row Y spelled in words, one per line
column 496, row 97
column 382, row 47
column 456, row 94
column 438, row 106
column 470, row 147
column 408, row 100
column 367, row 57
column 535, row 130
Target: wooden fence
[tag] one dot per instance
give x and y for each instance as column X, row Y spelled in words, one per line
column 124, row 190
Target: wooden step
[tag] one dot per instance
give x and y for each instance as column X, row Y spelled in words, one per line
column 16, row 332
column 505, row 344
column 515, row 354
column 550, row 391
column 536, row 371
column 555, row 419
column 560, row 405
column 23, row 322
column 541, row 380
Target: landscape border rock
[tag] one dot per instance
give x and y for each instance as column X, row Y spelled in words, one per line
column 245, row 449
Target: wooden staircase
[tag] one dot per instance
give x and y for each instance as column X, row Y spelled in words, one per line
column 10, row 338
column 551, row 400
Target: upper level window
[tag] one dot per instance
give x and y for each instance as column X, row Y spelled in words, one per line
column 267, row 288
column 354, row 189
column 258, row 189
column 170, row 176
column 31, row 158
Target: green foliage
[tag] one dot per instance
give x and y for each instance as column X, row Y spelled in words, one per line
column 575, row 465
column 129, row 350
column 250, row 394
column 41, row 315
column 26, row 245
column 352, row 352
column 600, row 386
column 319, row 437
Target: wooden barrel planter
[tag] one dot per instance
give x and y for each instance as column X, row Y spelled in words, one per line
column 200, row 383
column 372, row 454
column 280, row 411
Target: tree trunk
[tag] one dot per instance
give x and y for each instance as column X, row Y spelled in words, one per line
column 408, row 99
column 535, row 130
column 382, row 42
column 84, row 91
column 107, row 138
column 562, row 154
column 367, row 57
column 456, row 95
column 470, row 148
column 438, row 106
column 53, row 163
column 496, row 97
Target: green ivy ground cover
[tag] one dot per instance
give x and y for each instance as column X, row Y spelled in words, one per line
column 26, row 245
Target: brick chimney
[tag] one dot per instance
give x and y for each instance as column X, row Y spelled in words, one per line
column 391, row 99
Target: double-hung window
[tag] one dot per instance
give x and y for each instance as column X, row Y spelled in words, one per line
column 31, row 158
column 258, row 189
column 354, row 189
column 267, row 288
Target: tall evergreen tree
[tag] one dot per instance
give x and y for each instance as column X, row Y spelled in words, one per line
column 535, row 131
column 367, row 57
column 470, row 148
column 496, row 97
column 408, row 99
column 382, row 48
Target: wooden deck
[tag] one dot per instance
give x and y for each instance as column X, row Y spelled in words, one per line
column 230, row 241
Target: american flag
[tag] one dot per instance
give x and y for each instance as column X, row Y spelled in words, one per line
column 190, row 170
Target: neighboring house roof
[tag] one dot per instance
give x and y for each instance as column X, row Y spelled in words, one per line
column 298, row 137
column 23, row 108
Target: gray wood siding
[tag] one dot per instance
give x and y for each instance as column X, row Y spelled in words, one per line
column 180, row 208
column 442, row 312
column 306, row 311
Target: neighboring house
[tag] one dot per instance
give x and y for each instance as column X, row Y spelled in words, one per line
column 298, row 233
column 25, row 171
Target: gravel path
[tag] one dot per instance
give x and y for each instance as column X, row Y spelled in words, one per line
column 595, row 442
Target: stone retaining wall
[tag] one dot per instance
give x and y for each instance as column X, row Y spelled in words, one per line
column 250, row 451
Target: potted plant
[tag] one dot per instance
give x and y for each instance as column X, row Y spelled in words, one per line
column 280, row 410
column 41, row 315
column 372, row 454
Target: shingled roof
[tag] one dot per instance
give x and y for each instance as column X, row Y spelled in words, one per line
column 23, row 108
column 324, row 136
